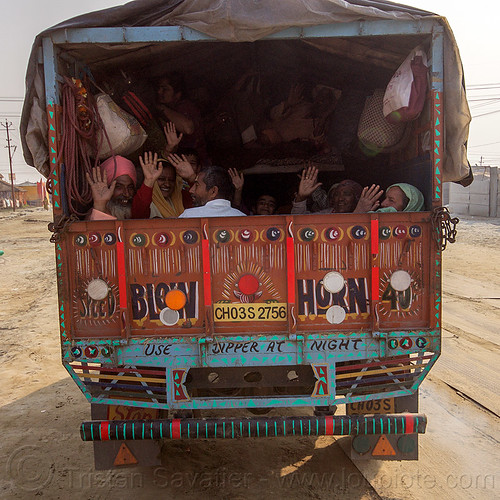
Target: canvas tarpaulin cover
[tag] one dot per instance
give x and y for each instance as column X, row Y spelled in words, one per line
column 247, row 21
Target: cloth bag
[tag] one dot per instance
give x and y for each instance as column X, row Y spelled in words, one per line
column 124, row 134
column 375, row 133
column 405, row 94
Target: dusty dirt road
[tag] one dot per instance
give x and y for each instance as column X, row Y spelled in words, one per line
column 41, row 453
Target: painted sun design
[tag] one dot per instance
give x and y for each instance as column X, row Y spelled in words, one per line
column 85, row 310
column 401, row 304
column 248, row 283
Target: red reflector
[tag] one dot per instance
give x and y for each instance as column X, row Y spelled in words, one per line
column 125, row 456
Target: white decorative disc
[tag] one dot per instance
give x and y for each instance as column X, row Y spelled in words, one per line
column 169, row 317
column 335, row 315
column 97, row 289
column 400, row 280
column 333, row 282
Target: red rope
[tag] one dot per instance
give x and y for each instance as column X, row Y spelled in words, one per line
column 81, row 125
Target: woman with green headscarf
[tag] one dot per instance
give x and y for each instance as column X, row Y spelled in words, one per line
column 400, row 197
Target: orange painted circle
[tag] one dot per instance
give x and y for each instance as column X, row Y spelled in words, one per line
column 175, row 299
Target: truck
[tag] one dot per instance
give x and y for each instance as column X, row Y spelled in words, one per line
column 258, row 326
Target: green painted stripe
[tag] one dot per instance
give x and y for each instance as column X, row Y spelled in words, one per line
column 284, row 428
column 170, row 429
column 395, row 425
column 350, row 423
column 232, row 430
column 249, row 430
column 197, row 430
column 206, row 430
column 301, row 429
column 143, row 429
column 224, row 428
column 133, row 431
column 266, row 430
column 373, row 426
column 357, row 426
column 416, row 421
column 215, row 436
column 241, row 429
column 275, row 429
column 83, row 431
column 258, row 432
column 381, row 426
column 92, row 432
column 100, row 436
column 317, row 427
column 342, row 429
column 293, row 427
column 309, row 427
column 403, row 420
column 161, row 430
column 388, row 426
column 124, row 425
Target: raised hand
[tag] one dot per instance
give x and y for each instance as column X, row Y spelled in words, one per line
column 307, row 183
column 237, row 179
column 151, row 168
column 369, row 199
column 101, row 193
column 295, row 94
column 183, row 167
column 173, row 139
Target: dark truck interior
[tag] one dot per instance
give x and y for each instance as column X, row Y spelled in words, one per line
column 235, row 85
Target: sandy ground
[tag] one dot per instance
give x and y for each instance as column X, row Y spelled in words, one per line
column 42, row 455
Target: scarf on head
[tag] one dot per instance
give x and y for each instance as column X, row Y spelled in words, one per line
column 416, row 203
column 115, row 166
column 172, row 207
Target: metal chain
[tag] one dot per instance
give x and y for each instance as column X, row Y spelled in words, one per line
column 445, row 226
column 59, row 227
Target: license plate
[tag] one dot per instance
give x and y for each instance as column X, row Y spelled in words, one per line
column 116, row 412
column 375, row 406
column 250, row 312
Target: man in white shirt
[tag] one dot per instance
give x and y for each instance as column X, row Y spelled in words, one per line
column 212, row 193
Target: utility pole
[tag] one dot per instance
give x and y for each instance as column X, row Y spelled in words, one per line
column 6, row 125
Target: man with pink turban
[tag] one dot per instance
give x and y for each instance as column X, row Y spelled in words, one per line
column 114, row 188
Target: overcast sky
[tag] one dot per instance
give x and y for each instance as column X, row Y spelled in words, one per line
column 475, row 25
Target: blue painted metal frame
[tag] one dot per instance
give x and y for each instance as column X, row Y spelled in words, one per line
column 187, row 353
column 156, row 34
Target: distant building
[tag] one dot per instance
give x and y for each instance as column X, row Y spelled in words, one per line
column 34, row 195
column 6, row 195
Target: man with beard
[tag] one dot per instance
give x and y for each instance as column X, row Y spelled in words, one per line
column 113, row 187
column 212, row 193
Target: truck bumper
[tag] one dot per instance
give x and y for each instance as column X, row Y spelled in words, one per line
column 254, row 427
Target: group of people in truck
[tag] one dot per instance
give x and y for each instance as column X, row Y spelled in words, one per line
column 183, row 183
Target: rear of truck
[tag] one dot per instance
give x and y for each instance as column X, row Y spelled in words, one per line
column 254, row 326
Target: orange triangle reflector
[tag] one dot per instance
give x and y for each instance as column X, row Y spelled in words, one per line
column 383, row 447
column 125, row 456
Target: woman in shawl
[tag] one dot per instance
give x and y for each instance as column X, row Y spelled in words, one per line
column 341, row 197
column 400, row 197
column 169, row 197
